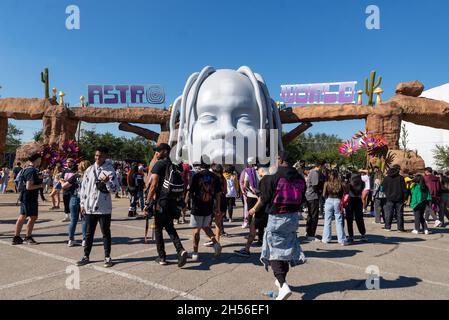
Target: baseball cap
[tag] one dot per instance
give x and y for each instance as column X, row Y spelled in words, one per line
column 251, row 161
column 162, row 146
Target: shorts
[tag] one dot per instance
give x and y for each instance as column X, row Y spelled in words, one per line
column 223, row 204
column 29, row 209
column 58, row 186
column 200, row 221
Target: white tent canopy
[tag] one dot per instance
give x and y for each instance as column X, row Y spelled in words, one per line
column 424, row 139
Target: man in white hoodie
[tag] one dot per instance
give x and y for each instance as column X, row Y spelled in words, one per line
column 99, row 182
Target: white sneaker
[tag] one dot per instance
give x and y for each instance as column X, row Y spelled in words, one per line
column 194, row 257
column 71, row 243
column 415, row 231
column 426, row 231
column 284, row 292
column 230, row 220
column 83, row 244
column 245, row 225
column 217, row 249
column 313, row 239
column 66, row 219
column 209, row 244
column 438, row 223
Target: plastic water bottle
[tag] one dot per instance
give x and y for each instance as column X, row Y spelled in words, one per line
column 270, row 294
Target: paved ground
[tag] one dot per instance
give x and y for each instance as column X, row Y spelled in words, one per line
column 411, row 266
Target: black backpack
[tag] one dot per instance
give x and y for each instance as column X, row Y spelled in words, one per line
column 173, row 186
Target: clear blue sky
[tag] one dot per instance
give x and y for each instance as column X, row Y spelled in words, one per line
column 287, row 41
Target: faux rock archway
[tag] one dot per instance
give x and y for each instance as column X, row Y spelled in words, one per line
column 60, row 123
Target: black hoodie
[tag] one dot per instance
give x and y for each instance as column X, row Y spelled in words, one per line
column 394, row 186
column 268, row 191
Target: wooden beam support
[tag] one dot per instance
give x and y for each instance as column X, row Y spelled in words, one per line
column 146, row 133
column 292, row 135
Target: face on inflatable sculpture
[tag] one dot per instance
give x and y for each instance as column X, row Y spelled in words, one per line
column 221, row 114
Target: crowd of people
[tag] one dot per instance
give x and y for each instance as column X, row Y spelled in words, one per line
column 274, row 200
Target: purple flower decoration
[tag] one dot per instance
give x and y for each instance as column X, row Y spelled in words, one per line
column 60, row 160
column 348, row 148
column 70, row 149
column 48, row 153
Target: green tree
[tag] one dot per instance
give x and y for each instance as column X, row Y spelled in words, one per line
column 13, row 138
column 38, row 136
column 404, row 140
column 321, row 146
column 120, row 148
column 441, row 156
column 137, row 148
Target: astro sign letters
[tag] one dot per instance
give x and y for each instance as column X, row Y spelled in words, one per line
column 125, row 94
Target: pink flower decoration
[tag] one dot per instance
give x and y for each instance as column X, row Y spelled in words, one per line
column 349, row 148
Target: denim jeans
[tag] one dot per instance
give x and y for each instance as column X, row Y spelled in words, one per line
column 4, row 184
column 141, row 198
column 331, row 209
column 280, row 240
column 379, row 209
column 132, row 195
column 74, row 216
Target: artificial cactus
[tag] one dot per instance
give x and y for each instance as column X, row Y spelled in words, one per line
column 372, row 86
column 46, row 82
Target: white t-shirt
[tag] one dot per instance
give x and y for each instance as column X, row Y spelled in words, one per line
column 366, row 179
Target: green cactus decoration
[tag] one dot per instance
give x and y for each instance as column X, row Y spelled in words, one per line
column 372, row 87
column 46, row 82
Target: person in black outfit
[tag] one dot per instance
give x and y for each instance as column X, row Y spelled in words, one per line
column 354, row 210
column 396, row 192
column 29, row 186
column 132, row 190
column 281, row 248
column 165, row 209
column 66, row 195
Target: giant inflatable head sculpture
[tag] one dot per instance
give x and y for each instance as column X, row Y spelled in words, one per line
column 227, row 115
